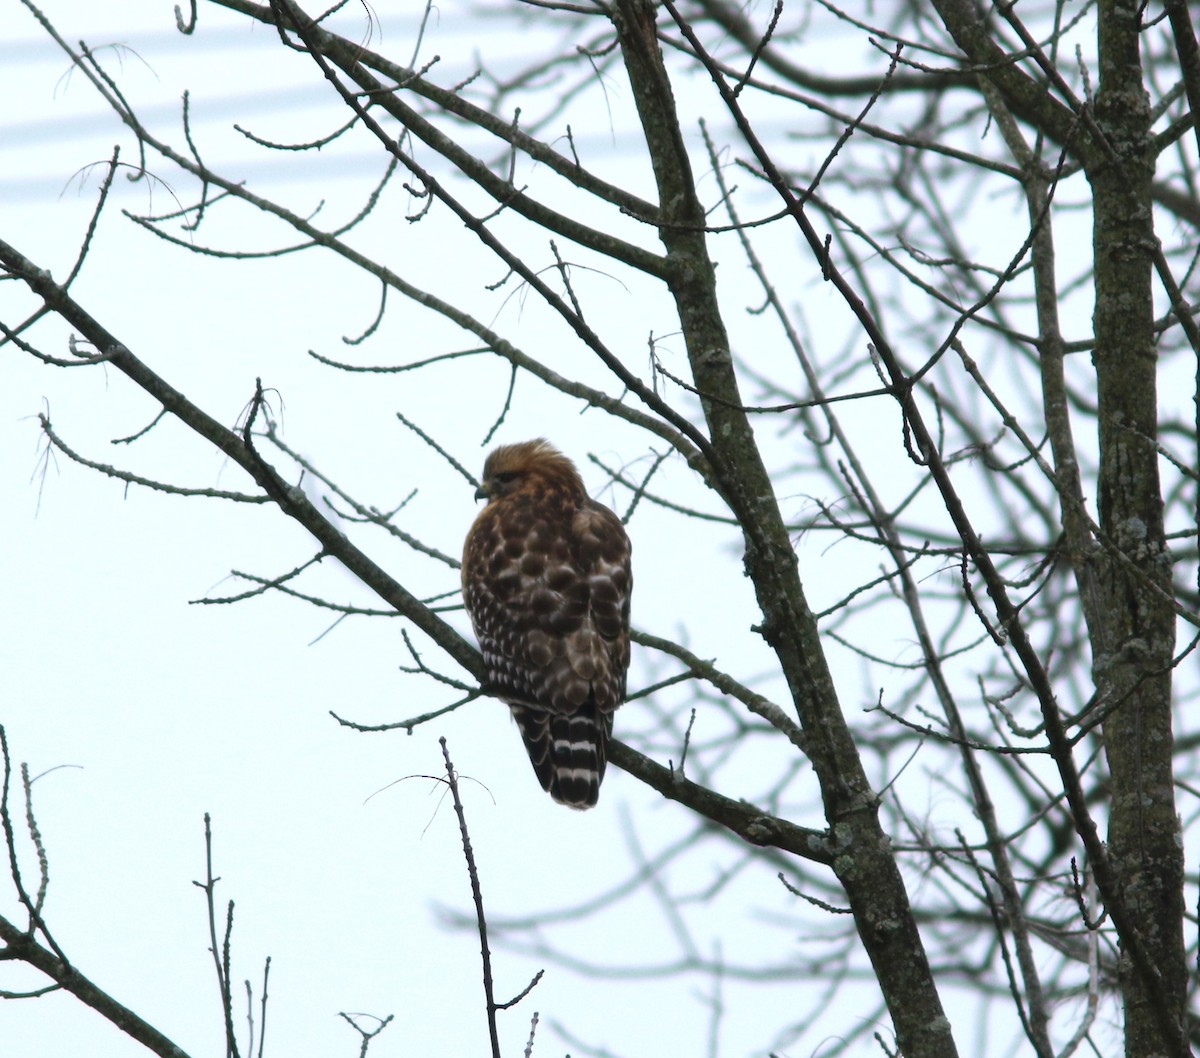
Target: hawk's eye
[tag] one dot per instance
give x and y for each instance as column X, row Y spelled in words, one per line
column 503, row 477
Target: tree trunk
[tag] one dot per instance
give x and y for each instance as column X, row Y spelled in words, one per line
column 1133, row 640
column 863, row 859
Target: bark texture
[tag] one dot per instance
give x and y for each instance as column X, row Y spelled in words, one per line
column 1133, row 641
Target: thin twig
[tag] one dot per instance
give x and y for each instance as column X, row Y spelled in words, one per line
column 477, row 897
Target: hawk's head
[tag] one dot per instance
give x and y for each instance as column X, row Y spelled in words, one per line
column 511, row 468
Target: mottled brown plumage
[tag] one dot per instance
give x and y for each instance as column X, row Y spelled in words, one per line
column 546, row 579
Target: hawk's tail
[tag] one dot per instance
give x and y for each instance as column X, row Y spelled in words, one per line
column 568, row 752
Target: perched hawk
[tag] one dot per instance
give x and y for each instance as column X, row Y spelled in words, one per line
column 546, row 580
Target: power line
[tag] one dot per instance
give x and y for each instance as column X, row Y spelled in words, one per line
column 36, row 48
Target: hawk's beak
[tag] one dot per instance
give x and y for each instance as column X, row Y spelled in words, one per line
column 481, row 493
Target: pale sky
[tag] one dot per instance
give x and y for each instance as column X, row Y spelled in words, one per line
column 141, row 711
column 154, row 711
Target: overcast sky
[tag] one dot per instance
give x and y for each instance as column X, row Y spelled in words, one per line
column 142, row 702
column 140, row 711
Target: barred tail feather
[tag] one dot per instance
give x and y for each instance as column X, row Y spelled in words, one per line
column 568, row 752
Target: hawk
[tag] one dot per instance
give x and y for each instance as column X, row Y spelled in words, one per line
column 546, row 580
